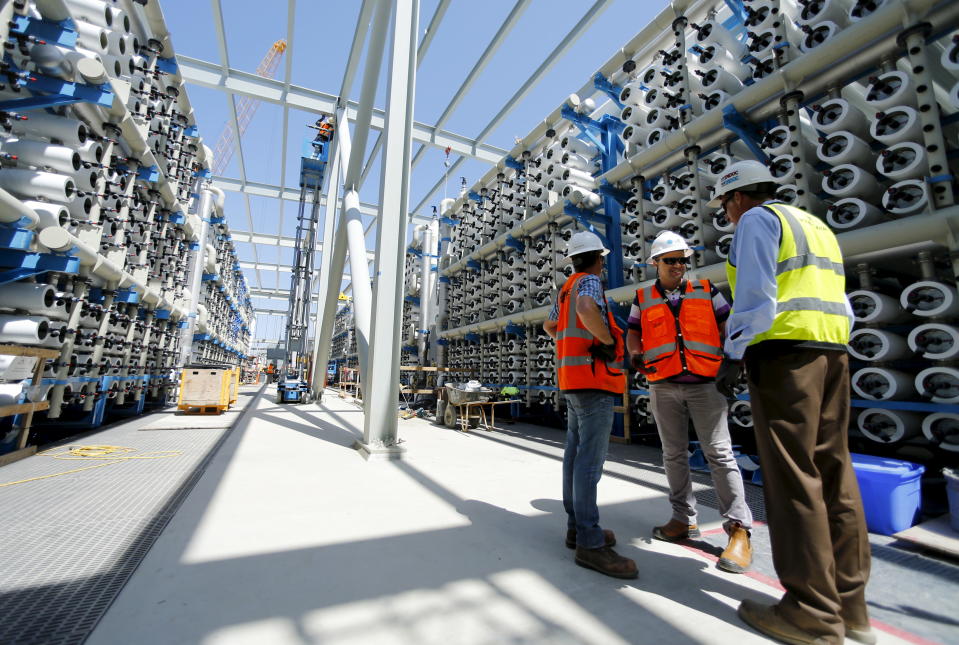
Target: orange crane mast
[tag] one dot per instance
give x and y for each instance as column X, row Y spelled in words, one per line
column 245, row 109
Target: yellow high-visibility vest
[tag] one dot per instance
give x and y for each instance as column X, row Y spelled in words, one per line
column 810, row 281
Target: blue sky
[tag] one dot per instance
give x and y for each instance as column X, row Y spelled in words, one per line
column 323, row 34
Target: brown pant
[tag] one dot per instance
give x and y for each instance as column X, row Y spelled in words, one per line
column 800, row 406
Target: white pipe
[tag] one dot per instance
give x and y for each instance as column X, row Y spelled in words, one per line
column 426, row 304
column 33, row 183
column 28, row 296
column 13, row 210
column 882, row 384
column 940, row 384
column 889, row 426
column 43, row 155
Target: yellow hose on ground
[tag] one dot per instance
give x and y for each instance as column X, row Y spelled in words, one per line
column 109, row 454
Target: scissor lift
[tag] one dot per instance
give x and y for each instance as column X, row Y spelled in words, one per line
column 293, row 385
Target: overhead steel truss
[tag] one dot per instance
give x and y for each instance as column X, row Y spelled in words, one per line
column 233, row 82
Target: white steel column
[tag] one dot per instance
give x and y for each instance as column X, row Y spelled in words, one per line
column 321, row 349
column 335, row 253
column 382, row 391
column 351, row 221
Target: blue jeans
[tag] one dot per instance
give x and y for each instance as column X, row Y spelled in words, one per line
column 589, row 422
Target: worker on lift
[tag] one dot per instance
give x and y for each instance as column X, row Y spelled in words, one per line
column 324, row 129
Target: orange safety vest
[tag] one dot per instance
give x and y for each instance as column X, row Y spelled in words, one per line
column 577, row 369
column 683, row 343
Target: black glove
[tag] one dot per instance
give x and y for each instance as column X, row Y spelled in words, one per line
column 728, row 377
column 636, row 360
column 605, row 353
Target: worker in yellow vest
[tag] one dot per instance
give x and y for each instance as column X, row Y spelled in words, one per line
column 789, row 326
column 589, row 352
column 675, row 339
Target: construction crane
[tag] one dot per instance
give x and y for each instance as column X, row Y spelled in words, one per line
column 245, row 109
column 293, row 385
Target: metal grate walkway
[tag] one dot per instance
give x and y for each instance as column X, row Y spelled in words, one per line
column 71, row 541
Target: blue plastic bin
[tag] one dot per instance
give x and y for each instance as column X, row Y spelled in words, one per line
column 890, row 492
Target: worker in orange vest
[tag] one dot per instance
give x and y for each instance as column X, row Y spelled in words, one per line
column 675, row 339
column 589, row 348
column 324, row 128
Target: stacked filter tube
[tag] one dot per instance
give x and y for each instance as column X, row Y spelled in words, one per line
column 343, row 349
column 867, row 143
column 100, row 221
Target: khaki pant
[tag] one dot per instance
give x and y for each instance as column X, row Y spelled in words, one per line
column 673, row 404
column 800, row 406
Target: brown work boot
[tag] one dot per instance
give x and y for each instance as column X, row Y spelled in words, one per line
column 739, row 553
column 606, row 561
column 674, row 531
column 766, row 620
column 860, row 634
column 608, row 536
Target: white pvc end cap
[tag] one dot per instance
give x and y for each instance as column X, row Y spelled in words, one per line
column 55, row 238
column 92, row 71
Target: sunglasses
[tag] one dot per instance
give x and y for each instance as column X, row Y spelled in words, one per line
column 674, row 261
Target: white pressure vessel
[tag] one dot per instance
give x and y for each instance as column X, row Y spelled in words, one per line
column 33, row 183
column 26, row 296
column 848, row 180
column 23, row 330
column 882, row 384
column 870, row 344
column 906, row 197
column 889, row 426
column 839, row 114
column 936, row 341
column 890, row 89
column 874, row 307
column 843, row 147
column 939, row 383
column 41, row 124
column 895, row 125
column 905, row 160
column 942, row 429
column 929, row 298
column 852, row 212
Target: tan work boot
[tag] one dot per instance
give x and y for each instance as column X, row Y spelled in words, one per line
column 863, row 635
column 609, row 538
column 607, row 562
column 739, row 553
column 766, row 620
column 674, row 531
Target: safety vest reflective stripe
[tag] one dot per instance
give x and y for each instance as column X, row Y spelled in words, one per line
column 651, row 299
column 810, row 281
column 702, row 347
column 803, row 257
column 812, row 304
column 667, row 348
column 569, row 361
column 577, row 369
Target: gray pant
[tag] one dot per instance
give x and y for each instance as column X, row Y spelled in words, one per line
column 673, row 404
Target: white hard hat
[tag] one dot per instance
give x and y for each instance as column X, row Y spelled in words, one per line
column 583, row 242
column 739, row 176
column 666, row 242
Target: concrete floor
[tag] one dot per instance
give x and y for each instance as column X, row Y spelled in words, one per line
column 290, row 537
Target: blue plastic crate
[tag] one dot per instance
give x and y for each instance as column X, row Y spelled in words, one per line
column 890, row 492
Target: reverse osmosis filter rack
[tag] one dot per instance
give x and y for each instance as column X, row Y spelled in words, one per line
column 855, row 112
column 114, row 248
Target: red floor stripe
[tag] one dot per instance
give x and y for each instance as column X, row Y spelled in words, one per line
column 774, row 583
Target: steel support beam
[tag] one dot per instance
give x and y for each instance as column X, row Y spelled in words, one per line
column 236, row 82
column 382, row 384
column 551, row 59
